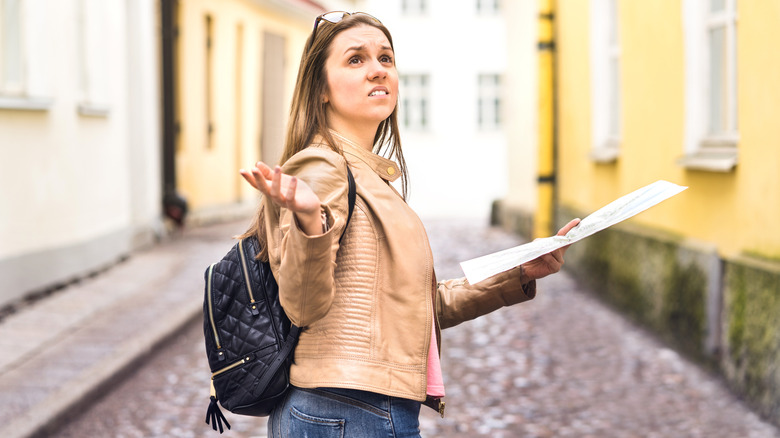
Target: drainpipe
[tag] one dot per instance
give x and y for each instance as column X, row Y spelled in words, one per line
column 174, row 205
column 544, row 217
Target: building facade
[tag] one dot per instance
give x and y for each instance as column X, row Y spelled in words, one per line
column 235, row 68
column 79, row 136
column 452, row 63
column 109, row 106
column 684, row 91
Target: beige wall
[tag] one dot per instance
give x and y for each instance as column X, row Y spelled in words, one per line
column 79, row 190
column 208, row 175
column 68, row 171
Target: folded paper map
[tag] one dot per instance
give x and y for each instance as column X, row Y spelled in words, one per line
column 619, row 210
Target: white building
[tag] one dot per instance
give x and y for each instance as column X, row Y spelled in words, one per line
column 452, row 60
column 79, row 137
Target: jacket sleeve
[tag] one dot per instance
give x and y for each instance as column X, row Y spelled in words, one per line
column 458, row 301
column 306, row 264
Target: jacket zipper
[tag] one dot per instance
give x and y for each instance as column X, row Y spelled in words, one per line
column 252, row 304
column 235, row 364
column 440, row 402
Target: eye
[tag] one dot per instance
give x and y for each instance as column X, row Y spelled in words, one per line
column 354, row 60
column 386, row 59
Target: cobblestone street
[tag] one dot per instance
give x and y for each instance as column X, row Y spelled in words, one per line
column 562, row 365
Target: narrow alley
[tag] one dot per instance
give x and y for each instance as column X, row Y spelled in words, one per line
column 562, row 365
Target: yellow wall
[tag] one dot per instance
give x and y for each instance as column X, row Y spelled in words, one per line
column 738, row 211
column 757, row 201
column 208, row 176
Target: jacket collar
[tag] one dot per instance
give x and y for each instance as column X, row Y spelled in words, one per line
column 385, row 168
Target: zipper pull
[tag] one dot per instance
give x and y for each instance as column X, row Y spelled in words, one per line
column 215, row 417
column 213, row 413
column 253, row 308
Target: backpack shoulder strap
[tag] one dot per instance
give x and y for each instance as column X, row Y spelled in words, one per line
column 351, row 197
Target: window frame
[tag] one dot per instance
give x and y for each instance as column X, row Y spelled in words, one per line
column 415, row 101
column 93, row 51
column 489, row 96
column 704, row 149
column 414, row 7
column 8, row 88
column 606, row 91
column 487, row 7
column 29, row 93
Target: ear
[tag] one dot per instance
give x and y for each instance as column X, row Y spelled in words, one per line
column 325, row 98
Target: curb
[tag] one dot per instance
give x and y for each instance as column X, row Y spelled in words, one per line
column 76, row 347
column 77, row 395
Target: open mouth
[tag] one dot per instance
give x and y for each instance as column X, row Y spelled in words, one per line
column 378, row 93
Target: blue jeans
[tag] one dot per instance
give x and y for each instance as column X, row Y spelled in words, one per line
column 343, row 413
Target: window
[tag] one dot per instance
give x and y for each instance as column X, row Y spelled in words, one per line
column 11, row 62
column 24, row 52
column 489, row 102
column 415, row 101
column 414, row 7
column 721, row 48
column 488, row 7
column 93, row 58
column 711, row 134
column 605, row 81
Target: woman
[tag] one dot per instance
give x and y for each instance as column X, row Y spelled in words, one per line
column 370, row 304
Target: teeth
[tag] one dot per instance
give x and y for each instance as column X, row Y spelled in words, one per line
column 378, row 92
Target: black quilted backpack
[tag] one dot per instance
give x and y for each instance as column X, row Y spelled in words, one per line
column 249, row 339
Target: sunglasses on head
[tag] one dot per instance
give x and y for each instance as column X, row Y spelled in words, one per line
column 334, row 17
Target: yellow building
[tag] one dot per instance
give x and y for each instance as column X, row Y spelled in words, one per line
column 685, row 91
column 234, row 68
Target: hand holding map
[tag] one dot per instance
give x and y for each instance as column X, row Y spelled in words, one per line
column 619, row 210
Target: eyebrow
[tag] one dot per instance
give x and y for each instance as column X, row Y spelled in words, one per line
column 363, row 47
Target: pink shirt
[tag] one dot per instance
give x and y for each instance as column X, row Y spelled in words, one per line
column 435, row 379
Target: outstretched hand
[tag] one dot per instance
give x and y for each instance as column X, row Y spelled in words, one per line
column 288, row 192
column 549, row 263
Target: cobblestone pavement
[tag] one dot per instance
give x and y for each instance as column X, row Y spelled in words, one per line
column 562, row 365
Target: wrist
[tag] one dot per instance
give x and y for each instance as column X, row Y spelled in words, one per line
column 525, row 278
column 312, row 223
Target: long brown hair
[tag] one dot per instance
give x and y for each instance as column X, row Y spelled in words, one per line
column 308, row 116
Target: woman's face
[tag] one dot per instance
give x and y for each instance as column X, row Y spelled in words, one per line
column 362, row 79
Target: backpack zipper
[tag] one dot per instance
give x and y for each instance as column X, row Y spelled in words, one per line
column 211, row 315
column 211, row 309
column 245, row 271
column 235, row 364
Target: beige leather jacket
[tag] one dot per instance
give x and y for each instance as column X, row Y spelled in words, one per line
column 366, row 303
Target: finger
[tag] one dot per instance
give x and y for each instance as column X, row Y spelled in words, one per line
column 291, row 189
column 572, row 223
column 264, row 169
column 248, row 177
column 276, row 183
column 553, row 262
column 261, row 183
column 252, row 179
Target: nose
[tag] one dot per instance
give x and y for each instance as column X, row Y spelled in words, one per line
column 377, row 71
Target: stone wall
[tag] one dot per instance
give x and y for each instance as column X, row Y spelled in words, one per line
column 751, row 332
